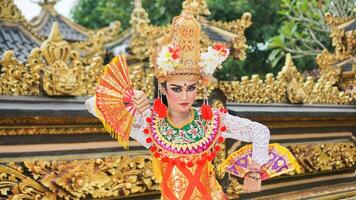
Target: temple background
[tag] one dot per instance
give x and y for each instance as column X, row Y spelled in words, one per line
column 52, row 148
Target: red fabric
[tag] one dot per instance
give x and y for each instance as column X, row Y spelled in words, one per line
column 194, row 180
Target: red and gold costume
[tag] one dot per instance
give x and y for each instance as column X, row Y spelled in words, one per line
column 182, row 153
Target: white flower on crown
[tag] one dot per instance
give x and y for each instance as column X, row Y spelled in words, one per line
column 213, row 58
column 168, row 59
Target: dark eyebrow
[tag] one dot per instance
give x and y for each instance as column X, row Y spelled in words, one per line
column 192, row 85
column 182, row 86
column 174, row 85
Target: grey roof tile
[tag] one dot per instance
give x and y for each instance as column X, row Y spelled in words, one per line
column 12, row 38
column 67, row 32
column 213, row 35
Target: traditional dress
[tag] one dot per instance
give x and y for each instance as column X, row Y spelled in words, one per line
column 184, row 152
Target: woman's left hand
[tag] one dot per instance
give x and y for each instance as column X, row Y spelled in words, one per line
column 251, row 185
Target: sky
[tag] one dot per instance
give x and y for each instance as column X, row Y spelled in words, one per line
column 30, row 9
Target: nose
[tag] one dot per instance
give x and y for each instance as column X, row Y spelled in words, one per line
column 184, row 95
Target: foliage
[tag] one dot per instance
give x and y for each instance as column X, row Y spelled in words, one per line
column 96, row 14
column 304, row 32
column 266, row 21
column 265, row 24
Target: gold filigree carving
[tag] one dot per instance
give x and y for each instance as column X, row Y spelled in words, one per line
column 93, row 47
column 289, row 86
column 52, row 130
column 15, row 185
column 42, row 120
column 64, row 72
column 324, row 157
column 59, row 78
column 139, row 17
column 17, row 78
column 238, row 27
column 9, row 12
column 196, row 7
column 344, row 43
column 111, row 32
column 142, row 79
column 119, row 176
column 234, row 189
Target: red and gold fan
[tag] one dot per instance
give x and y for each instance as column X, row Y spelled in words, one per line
column 114, row 105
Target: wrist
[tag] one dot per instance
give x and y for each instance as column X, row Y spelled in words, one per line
column 255, row 165
column 254, row 175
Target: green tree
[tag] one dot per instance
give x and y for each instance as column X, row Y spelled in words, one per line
column 95, row 14
column 265, row 24
column 266, row 21
column 304, row 32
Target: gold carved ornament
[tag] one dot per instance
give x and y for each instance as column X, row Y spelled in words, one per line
column 289, row 86
column 9, row 13
column 77, row 179
column 238, row 27
column 54, row 69
column 324, row 157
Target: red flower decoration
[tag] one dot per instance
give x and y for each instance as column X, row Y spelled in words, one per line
column 156, row 104
column 175, row 52
column 220, row 48
column 160, row 108
column 206, row 112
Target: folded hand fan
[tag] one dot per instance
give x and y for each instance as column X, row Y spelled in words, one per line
column 114, row 105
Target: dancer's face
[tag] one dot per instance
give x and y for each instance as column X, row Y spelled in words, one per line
column 180, row 94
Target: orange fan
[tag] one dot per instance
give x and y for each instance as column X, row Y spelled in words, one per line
column 114, row 105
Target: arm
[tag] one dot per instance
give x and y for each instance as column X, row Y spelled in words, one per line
column 245, row 130
column 138, row 125
column 248, row 131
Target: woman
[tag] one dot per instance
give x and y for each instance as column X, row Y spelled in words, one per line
column 183, row 139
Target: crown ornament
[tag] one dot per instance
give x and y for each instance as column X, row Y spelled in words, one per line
column 180, row 57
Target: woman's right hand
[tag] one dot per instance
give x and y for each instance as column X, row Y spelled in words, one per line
column 140, row 101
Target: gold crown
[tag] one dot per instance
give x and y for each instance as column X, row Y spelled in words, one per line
column 185, row 39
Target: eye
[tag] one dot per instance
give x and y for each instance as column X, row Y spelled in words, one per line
column 176, row 89
column 191, row 88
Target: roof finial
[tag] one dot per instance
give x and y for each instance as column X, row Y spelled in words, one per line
column 139, row 16
column 138, row 4
column 55, row 34
column 48, row 5
column 196, row 7
column 9, row 11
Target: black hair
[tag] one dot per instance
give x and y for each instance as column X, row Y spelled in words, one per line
column 164, row 98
